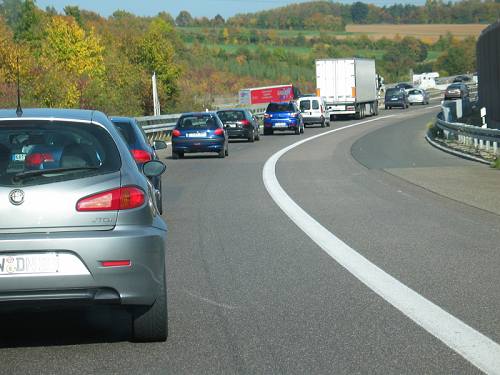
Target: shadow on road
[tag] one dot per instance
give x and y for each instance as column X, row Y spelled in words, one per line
column 67, row 327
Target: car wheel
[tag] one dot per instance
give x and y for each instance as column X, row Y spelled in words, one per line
column 251, row 137
column 268, row 131
column 181, row 154
column 297, row 130
column 227, row 151
column 175, row 155
column 150, row 324
column 386, row 106
column 323, row 123
column 302, row 129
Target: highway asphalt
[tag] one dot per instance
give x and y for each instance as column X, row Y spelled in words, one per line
column 250, row 293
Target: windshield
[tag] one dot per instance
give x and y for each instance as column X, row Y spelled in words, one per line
column 29, row 146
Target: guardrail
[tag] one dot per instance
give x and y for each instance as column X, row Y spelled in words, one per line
column 475, row 137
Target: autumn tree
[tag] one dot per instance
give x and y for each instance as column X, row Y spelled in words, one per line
column 156, row 53
column 71, row 59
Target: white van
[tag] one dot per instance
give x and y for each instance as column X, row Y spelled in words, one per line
column 314, row 110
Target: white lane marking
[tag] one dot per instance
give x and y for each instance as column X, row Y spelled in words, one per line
column 478, row 349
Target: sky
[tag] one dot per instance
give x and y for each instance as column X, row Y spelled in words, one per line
column 197, row 8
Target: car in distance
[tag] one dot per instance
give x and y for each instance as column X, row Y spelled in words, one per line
column 240, row 123
column 281, row 117
column 199, row 132
column 396, row 97
column 314, row 111
column 79, row 223
column 462, row 78
column 404, row 86
column 456, row 90
column 418, row 96
column 140, row 148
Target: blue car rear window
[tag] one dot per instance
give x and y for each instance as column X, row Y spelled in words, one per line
column 201, row 121
column 280, row 107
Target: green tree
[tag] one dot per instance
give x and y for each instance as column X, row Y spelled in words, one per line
column 359, row 12
column 156, row 53
column 184, row 19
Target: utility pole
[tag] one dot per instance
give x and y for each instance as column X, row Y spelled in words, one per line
column 156, row 100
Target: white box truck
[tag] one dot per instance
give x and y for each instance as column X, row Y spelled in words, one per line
column 349, row 86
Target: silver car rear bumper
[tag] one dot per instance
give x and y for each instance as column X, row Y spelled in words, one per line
column 137, row 284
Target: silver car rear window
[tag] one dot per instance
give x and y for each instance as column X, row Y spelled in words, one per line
column 71, row 150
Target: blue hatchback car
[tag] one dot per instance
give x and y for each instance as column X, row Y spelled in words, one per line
column 199, row 132
column 283, row 116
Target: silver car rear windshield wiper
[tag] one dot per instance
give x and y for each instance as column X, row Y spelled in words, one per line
column 40, row 172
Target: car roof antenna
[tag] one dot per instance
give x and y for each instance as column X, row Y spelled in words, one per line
column 19, row 110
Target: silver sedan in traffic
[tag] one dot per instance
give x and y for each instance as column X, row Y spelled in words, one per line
column 79, row 222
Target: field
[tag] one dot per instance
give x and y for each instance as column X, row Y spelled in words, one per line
column 428, row 33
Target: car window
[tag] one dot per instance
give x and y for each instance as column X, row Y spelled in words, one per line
column 228, row 116
column 315, row 104
column 126, row 131
column 305, row 105
column 280, row 107
column 201, row 121
column 415, row 92
column 394, row 91
column 44, row 145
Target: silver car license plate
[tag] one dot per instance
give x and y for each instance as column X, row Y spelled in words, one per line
column 280, row 125
column 15, row 264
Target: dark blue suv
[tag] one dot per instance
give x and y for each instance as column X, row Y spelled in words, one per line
column 283, row 116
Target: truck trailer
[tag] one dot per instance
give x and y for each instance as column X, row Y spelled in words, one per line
column 349, row 86
column 268, row 94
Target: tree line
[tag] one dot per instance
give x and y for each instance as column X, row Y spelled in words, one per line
column 329, row 15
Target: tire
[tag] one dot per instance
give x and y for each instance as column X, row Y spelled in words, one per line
column 268, row 131
column 175, row 155
column 375, row 109
column 357, row 115
column 252, row 137
column 386, row 106
column 227, row 151
column 221, row 154
column 297, row 130
column 323, row 123
column 150, row 323
column 302, row 129
column 181, row 155
column 257, row 135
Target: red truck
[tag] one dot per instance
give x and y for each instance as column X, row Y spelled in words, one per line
column 264, row 95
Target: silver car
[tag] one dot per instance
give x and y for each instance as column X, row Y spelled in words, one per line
column 418, row 96
column 78, row 223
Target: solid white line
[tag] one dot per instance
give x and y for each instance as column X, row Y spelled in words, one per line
column 478, row 349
